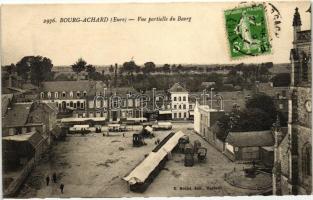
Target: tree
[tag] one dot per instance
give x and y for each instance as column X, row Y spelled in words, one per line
column 129, row 67
column 281, row 80
column 23, row 67
column 166, row 68
column 263, row 102
column 254, row 119
column 90, row 69
column 79, row 66
column 148, row 68
column 38, row 67
column 111, row 69
column 11, row 68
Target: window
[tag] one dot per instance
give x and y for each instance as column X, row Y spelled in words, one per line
column 63, row 94
column 49, row 95
column 85, row 93
column 284, row 94
column 179, row 98
column 175, row 106
column 78, row 94
column 71, row 94
column 175, row 98
column 190, row 107
column 179, row 106
column 56, row 95
column 42, row 95
column 185, row 115
column 175, row 115
column 305, row 67
column 78, row 104
column 184, row 98
column 179, row 115
column 306, row 160
column 184, row 106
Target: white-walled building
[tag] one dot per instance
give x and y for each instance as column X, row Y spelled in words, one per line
column 204, row 119
column 179, row 101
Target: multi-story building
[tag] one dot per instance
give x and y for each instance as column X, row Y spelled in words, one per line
column 293, row 150
column 123, row 103
column 204, row 119
column 71, row 95
column 179, row 100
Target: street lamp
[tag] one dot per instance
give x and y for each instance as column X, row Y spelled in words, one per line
column 203, row 97
column 212, row 98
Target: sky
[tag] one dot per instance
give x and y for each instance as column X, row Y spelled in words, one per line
column 203, row 40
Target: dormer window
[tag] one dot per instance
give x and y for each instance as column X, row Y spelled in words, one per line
column 42, row 95
column 49, row 95
column 71, row 94
column 63, row 94
column 85, row 93
column 56, row 95
column 78, row 94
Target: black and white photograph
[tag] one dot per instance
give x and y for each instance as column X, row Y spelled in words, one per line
column 171, row 99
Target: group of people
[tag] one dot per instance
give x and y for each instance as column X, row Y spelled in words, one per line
column 54, row 178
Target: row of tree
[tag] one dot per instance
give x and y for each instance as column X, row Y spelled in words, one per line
column 245, row 75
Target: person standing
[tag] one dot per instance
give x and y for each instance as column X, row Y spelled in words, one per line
column 47, row 180
column 62, row 187
column 54, row 177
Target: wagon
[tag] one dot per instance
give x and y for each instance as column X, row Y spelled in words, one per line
column 189, row 149
column 98, row 128
column 138, row 140
column 182, row 142
column 83, row 129
column 162, row 126
column 189, row 161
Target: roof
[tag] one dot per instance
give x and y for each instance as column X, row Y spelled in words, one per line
column 16, row 89
column 251, row 139
column 34, row 138
column 296, row 18
column 165, row 112
column 143, row 170
column 53, row 106
column 67, row 86
column 74, row 119
column 177, row 88
column 29, row 86
column 121, row 91
column 17, row 115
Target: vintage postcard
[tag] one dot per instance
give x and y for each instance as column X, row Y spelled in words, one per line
column 156, row 99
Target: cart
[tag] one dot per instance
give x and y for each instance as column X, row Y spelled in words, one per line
column 138, row 140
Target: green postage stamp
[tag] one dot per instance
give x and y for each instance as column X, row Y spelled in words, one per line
column 247, row 31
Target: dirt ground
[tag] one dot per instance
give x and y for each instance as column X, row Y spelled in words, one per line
column 94, row 165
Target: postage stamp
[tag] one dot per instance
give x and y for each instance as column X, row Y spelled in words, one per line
column 247, row 31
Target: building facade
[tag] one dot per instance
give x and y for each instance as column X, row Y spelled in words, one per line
column 179, row 101
column 293, row 151
column 71, row 95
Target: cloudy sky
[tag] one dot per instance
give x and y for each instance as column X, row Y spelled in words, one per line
column 201, row 41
